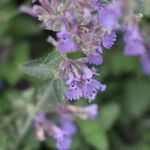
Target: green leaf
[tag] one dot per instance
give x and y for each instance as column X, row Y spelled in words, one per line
column 109, row 113
column 137, row 98
column 93, row 134
column 146, row 7
column 56, row 95
column 53, row 59
column 42, row 68
column 10, row 70
column 59, row 91
column 138, row 6
column 36, row 69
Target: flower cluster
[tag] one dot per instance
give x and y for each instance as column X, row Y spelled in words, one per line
column 63, row 131
column 88, row 27
column 81, row 27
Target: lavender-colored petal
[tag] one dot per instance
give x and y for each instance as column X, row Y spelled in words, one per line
column 90, row 95
column 67, row 126
column 95, row 59
column 28, row 10
column 107, row 19
column 133, row 40
column 109, row 40
column 97, row 49
column 74, row 94
column 87, row 73
column 145, row 62
column 39, row 117
column 66, row 46
column 133, row 49
column 94, row 84
column 102, row 87
column 91, row 111
column 90, row 89
column 64, row 144
column 57, row 133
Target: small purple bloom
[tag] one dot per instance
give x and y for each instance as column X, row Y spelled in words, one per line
column 133, row 49
column 73, row 92
column 67, row 126
column 65, row 43
column 90, row 89
column 91, row 111
column 87, row 73
column 64, row 144
column 108, row 40
column 63, row 141
column 65, row 46
column 28, row 10
column 133, row 40
column 102, row 87
column 40, row 117
column 89, row 94
column 97, row 49
column 95, row 59
column 57, row 133
column 109, row 15
column 145, row 62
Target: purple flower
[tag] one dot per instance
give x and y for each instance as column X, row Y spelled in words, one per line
column 133, row 41
column 102, row 87
column 28, row 10
column 40, row 117
column 87, row 73
column 65, row 43
column 109, row 15
column 97, row 49
column 63, row 141
column 133, row 49
column 90, row 89
column 56, row 132
column 90, row 111
column 145, row 62
column 64, row 144
column 73, row 92
column 67, row 126
column 69, row 129
column 108, row 40
column 95, row 59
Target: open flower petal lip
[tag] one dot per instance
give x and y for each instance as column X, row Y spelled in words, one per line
column 91, row 111
column 109, row 40
column 134, row 45
column 95, row 59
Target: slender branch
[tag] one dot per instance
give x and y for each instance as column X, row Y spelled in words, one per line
column 41, row 99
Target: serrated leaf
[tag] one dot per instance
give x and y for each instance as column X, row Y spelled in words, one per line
column 52, row 59
column 36, row 69
column 43, row 68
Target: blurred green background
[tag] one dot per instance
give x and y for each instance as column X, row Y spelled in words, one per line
column 123, row 122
